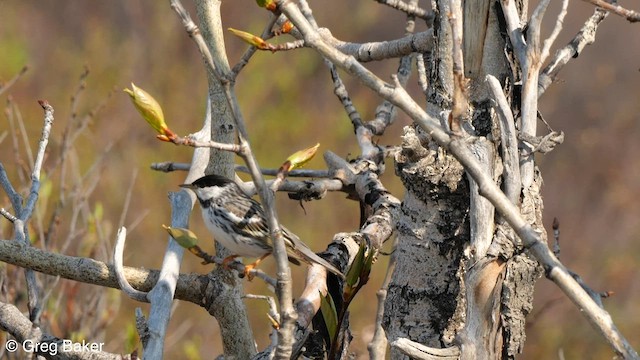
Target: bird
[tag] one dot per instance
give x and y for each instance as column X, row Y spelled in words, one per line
column 239, row 223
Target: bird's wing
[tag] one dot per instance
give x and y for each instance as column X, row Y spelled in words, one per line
column 247, row 216
column 251, row 221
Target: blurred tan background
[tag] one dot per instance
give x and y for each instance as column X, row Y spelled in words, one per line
column 591, row 181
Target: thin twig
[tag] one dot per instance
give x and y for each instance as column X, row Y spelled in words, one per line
column 586, row 36
column 194, row 33
column 169, row 166
column 292, row 173
column 556, row 237
column 8, row 215
column 244, row 60
column 6, row 86
column 409, row 9
column 37, row 166
column 630, row 15
column 127, row 200
column 544, row 53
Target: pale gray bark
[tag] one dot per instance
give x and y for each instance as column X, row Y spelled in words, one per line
column 227, row 307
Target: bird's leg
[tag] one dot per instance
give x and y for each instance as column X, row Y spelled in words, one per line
column 228, row 260
column 248, row 268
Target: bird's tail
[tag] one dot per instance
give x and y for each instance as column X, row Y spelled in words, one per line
column 304, row 252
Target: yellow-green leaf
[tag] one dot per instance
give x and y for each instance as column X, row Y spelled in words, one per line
column 269, row 4
column 329, row 314
column 184, row 237
column 149, row 108
column 299, row 158
column 251, row 39
column 353, row 275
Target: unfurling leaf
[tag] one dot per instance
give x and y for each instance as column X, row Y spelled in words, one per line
column 184, row 237
column 329, row 315
column 299, row 158
column 358, row 274
column 251, row 39
column 268, row 4
column 353, row 275
column 150, row 110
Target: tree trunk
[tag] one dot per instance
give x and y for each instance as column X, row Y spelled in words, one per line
column 459, row 279
column 227, row 306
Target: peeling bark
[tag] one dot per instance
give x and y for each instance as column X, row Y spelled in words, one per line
column 432, row 231
column 460, row 280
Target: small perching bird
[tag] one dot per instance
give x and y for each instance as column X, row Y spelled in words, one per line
column 238, row 222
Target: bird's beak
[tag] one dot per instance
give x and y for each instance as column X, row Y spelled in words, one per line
column 187, row 186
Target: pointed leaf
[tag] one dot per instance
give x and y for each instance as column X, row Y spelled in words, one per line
column 149, row 108
column 251, row 39
column 366, row 268
column 268, row 4
column 184, row 237
column 329, row 314
column 299, row 158
column 353, row 275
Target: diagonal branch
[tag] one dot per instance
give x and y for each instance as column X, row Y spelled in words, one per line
column 6, row 86
column 586, row 36
column 410, row 9
column 630, row 15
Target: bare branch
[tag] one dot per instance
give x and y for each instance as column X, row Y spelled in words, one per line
column 194, row 33
column 244, row 60
column 119, row 268
column 386, row 112
column 95, row 272
column 422, row 74
column 194, row 141
column 418, row 351
column 409, row 9
column 509, row 142
column 292, row 173
column 6, row 86
column 37, row 166
column 127, row 199
column 586, row 36
column 161, row 296
column 417, row 43
column 630, row 15
column 8, row 215
column 169, row 166
column 556, row 237
column 514, row 29
column 556, row 31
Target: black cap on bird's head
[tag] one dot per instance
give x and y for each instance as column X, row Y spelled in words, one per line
column 208, row 181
